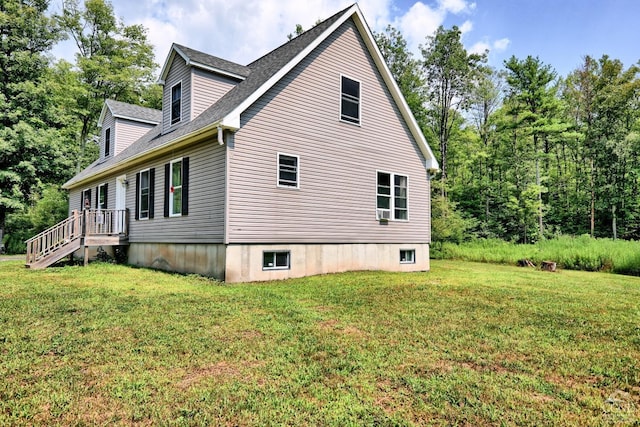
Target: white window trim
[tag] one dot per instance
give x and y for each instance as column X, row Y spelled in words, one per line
column 100, row 190
column 413, row 258
column 171, row 194
column 171, row 123
column 291, row 187
column 340, row 101
column 287, row 267
column 392, row 204
column 140, row 218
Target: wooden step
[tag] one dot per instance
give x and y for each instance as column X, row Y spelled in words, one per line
column 56, row 255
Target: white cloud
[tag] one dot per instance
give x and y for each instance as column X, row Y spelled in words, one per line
column 466, row 27
column 454, row 6
column 501, row 45
column 244, row 30
column 419, row 22
column 479, row 47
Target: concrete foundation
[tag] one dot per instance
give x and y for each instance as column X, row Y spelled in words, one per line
column 244, row 263
column 204, row 259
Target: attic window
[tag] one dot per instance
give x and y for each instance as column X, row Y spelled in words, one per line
column 350, row 101
column 176, row 103
column 107, row 142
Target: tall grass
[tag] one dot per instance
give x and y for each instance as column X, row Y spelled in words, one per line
column 571, row 253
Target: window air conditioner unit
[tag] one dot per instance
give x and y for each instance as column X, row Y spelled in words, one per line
column 384, row 214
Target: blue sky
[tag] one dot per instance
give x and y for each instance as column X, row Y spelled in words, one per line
column 559, row 32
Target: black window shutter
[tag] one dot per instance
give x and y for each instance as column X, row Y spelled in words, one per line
column 97, row 198
column 106, row 194
column 82, row 195
column 138, row 196
column 185, row 186
column 152, row 190
column 167, row 190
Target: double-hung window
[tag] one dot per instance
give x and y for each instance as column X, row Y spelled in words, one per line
column 144, row 194
column 350, row 100
column 85, row 199
column 176, row 182
column 107, row 142
column 288, row 171
column 176, row 103
column 392, row 195
column 175, row 190
column 101, row 196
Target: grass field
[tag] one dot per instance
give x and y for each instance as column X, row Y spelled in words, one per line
column 466, row 344
column 573, row 253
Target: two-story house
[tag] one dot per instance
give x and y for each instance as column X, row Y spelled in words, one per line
column 305, row 161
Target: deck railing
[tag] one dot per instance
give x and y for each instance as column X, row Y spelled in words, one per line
column 106, row 222
column 55, row 237
column 90, row 222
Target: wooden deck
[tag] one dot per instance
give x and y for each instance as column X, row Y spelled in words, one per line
column 90, row 227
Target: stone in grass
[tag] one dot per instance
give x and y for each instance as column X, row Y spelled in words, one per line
column 548, row 266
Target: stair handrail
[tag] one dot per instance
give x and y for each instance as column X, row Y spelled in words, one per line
column 54, row 237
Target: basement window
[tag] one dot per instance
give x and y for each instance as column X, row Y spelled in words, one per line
column 276, row 260
column 407, row 256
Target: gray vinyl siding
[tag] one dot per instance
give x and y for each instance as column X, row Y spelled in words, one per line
column 207, row 88
column 179, row 71
column 205, row 221
column 127, row 132
column 74, row 194
column 338, row 165
column 107, row 123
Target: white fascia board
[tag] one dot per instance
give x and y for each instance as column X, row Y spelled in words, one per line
column 103, row 113
column 169, row 61
column 414, row 128
column 135, row 119
column 215, row 70
column 231, row 117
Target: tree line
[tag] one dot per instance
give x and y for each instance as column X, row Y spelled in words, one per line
column 525, row 154
column 49, row 107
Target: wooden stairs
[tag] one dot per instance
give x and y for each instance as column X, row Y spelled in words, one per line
column 91, row 227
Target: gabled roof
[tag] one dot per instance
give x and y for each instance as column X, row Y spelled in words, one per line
column 259, row 77
column 202, row 60
column 126, row 111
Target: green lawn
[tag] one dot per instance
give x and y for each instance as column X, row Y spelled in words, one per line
column 466, row 344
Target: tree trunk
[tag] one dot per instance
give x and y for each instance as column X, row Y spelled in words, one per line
column 538, row 183
column 593, row 201
column 614, row 223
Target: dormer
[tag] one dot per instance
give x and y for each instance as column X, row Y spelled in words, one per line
column 121, row 124
column 193, row 81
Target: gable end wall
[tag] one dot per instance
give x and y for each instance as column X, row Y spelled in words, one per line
column 336, row 201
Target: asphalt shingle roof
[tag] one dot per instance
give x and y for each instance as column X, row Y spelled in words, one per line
column 259, row 72
column 214, row 61
column 122, row 109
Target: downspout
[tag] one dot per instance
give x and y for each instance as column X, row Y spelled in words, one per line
column 220, row 135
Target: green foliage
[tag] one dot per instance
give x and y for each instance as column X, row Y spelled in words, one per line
column 33, row 147
column 464, row 343
column 113, row 61
column 47, row 209
column 572, row 253
column 448, row 223
column 406, row 71
column 449, row 73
